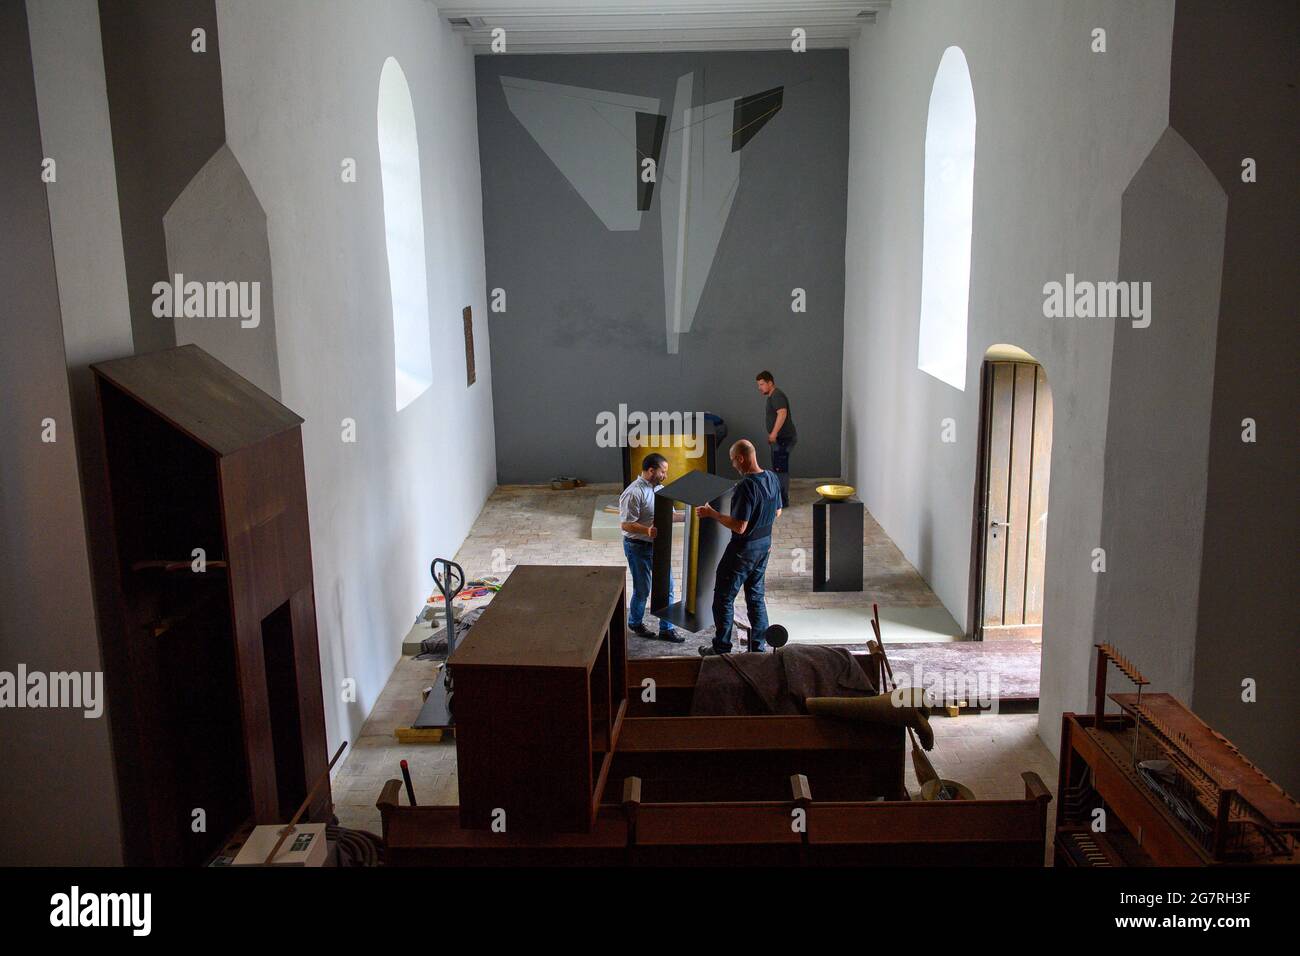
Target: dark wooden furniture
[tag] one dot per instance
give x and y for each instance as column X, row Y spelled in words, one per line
column 683, row 758
column 1168, row 790
column 219, row 703
column 629, row 830
column 837, row 533
column 664, row 787
column 540, row 699
column 1252, row 821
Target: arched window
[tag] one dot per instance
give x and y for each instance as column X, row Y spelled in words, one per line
column 399, row 171
column 949, row 210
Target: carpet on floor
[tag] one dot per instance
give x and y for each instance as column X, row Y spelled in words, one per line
column 1009, row 669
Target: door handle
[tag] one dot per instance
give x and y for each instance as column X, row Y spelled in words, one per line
column 999, row 524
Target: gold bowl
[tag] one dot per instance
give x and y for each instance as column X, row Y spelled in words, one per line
column 836, row 492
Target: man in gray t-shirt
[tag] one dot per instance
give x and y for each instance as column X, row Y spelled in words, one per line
column 781, row 434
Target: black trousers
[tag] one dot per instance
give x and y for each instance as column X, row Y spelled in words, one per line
column 781, row 465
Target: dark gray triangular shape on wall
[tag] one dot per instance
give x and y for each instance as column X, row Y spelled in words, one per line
column 649, row 141
column 751, row 113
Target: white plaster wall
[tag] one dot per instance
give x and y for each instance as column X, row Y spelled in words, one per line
column 1061, row 131
column 300, row 83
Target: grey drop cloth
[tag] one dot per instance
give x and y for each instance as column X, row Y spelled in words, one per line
column 778, row 682
column 434, row 647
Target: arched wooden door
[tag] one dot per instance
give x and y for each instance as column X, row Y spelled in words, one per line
column 1011, row 520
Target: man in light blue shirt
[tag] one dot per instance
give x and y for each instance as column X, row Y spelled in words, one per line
column 636, row 515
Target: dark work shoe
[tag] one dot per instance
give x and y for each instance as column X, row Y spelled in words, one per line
column 642, row 631
column 707, row 651
column 672, row 637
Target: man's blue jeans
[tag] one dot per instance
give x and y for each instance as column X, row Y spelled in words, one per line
column 741, row 568
column 640, row 558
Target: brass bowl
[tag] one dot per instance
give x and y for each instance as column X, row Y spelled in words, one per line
column 836, row 492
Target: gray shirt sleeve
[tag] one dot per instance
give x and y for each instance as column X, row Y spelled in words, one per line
column 637, row 506
column 627, row 504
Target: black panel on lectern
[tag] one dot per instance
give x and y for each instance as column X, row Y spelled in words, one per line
column 697, row 488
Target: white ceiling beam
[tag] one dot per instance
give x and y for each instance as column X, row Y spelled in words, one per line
column 580, row 26
column 642, row 46
column 745, row 34
column 715, row 21
column 507, row 8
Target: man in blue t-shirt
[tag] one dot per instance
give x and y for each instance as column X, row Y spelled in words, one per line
column 755, row 506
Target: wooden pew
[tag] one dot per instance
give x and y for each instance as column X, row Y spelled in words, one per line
column 798, row 830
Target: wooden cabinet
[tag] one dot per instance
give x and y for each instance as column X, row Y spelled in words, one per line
column 540, row 696
column 215, row 690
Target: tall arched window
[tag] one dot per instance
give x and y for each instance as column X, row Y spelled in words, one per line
column 399, row 171
column 949, row 210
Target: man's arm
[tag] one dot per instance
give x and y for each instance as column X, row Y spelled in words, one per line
column 737, row 525
column 627, row 520
column 781, row 415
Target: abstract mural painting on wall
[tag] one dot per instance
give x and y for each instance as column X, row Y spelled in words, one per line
column 692, row 154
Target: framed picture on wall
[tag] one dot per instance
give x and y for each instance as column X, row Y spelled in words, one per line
column 467, row 316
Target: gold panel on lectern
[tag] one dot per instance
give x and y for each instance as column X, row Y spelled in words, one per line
column 672, row 447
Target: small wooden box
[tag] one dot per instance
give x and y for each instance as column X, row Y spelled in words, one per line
column 540, row 694
column 305, row 846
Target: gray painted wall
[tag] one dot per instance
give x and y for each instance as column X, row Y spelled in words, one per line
column 584, row 328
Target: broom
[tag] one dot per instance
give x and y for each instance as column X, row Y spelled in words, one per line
column 925, row 771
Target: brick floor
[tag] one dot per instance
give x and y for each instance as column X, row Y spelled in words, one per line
column 535, row 525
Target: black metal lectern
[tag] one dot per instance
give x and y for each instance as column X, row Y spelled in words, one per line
column 702, row 544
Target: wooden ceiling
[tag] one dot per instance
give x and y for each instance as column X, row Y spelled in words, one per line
column 602, row 26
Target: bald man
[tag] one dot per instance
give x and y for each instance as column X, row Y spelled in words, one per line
column 755, row 506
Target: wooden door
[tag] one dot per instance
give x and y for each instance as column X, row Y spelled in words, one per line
column 1016, row 434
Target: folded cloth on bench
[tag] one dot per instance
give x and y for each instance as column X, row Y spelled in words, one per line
column 776, row 683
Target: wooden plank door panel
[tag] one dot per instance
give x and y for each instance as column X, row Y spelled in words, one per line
column 1001, row 396
column 1040, row 480
column 1017, row 436
column 1017, row 536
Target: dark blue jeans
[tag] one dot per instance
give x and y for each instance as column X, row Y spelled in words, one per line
column 640, row 558
column 741, row 568
column 781, row 465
